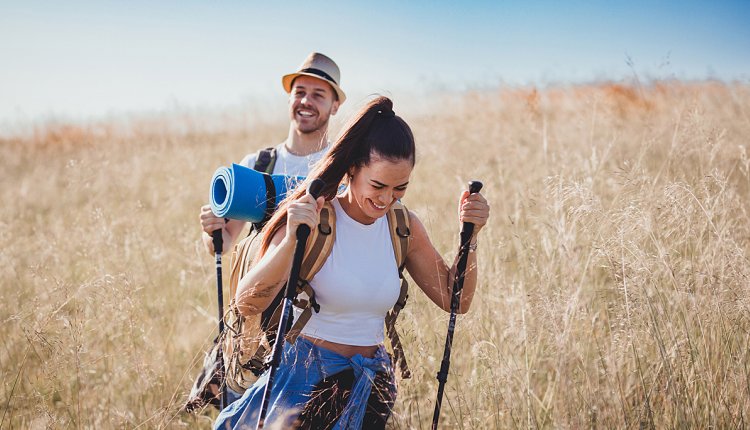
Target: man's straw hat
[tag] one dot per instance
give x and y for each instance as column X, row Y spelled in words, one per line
column 318, row 66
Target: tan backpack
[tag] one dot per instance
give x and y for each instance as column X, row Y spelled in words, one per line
column 246, row 345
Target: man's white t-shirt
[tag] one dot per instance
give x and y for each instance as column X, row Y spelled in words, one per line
column 288, row 163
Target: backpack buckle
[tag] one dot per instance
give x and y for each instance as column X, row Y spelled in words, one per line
column 405, row 232
column 255, row 365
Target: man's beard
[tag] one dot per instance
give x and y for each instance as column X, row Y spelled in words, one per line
column 319, row 126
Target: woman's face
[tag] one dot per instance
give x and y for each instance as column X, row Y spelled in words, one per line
column 375, row 187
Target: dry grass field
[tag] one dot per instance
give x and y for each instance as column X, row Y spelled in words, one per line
column 614, row 288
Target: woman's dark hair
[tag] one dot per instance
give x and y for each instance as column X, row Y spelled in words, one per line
column 374, row 131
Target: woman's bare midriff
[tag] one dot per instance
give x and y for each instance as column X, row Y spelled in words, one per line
column 348, row 351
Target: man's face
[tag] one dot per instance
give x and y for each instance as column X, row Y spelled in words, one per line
column 311, row 103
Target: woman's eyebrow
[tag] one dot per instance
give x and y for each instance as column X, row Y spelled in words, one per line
column 385, row 185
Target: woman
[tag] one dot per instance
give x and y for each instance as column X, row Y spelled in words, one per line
column 337, row 374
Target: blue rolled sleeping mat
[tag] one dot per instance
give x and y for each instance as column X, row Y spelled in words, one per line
column 239, row 192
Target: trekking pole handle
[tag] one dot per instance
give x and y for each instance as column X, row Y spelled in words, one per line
column 474, row 187
column 314, row 189
column 467, row 228
column 303, row 231
column 218, row 240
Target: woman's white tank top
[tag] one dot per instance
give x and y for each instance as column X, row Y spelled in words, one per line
column 357, row 285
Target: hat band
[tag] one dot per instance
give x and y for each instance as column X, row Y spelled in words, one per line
column 320, row 73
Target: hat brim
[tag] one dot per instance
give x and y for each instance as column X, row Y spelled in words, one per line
column 286, row 82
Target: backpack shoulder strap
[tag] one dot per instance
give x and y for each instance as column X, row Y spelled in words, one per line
column 398, row 224
column 266, row 160
column 320, row 243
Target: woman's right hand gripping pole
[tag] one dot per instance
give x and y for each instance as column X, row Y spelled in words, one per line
column 259, row 286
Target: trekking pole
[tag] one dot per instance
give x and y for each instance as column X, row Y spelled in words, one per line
column 218, row 247
column 303, row 231
column 467, row 229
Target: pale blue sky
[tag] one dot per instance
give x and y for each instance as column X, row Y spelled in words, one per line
column 86, row 59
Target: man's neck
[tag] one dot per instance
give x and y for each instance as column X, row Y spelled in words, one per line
column 305, row 143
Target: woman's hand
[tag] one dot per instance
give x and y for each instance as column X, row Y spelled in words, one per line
column 473, row 208
column 305, row 210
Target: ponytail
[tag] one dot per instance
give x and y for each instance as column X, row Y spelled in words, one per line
column 374, row 130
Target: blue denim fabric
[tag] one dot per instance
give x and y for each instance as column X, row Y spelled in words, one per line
column 302, row 367
column 232, row 396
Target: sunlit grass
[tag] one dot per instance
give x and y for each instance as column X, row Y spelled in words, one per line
column 614, row 272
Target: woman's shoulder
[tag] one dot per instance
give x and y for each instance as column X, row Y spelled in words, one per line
column 416, row 227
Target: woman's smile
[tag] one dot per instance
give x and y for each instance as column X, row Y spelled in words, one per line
column 378, row 207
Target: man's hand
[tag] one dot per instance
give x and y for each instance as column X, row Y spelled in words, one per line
column 209, row 221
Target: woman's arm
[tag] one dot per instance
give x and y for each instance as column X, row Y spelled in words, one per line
column 259, row 286
column 427, row 267
column 257, row 289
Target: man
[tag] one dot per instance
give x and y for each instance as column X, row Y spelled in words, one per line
column 314, row 96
